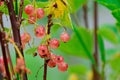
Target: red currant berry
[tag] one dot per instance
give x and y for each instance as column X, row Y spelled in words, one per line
column 40, row 31
column 51, row 64
column 65, row 37
column 1, row 3
column 31, row 19
column 53, row 57
column 40, row 13
column 63, row 67
column 43, row 51
column 25, row 37
column 59, row 59
column 54, row 43
column 29, row 9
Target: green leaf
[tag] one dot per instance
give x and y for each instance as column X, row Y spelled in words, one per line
column 110, row 4
column 31, row 50
column 42, row 4
column 108, row 34
column 81, row 42
column 74, row 46
column 102, row 48
column 76, row 4
column 116, row 14
column 79, row 69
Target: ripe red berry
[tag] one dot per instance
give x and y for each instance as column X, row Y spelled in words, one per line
column 29, row 9
column 43, row 51
column 2, row 67
column 40, row 31
column 54, row 43
column 1, row 3
column 25, row 37
column 59, row 59
column 53, row 57
column 65, row 37
column 31, row 19
column 40, row 13
column 51, row 63
column 63, row 67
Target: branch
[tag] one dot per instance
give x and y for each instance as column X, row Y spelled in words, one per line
column 15, row 27
column 85, row 10
column 48, row 33
column 20, row 11
column 3, row 45
column 95, row 71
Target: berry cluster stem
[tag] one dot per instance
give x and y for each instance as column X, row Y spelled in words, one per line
column 50, row 23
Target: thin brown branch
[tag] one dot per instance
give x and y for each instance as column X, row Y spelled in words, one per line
column 20, row 12
column 15, row 27
column 50, row 23
column 3, row 45
column 85, row 13
column 96, row 75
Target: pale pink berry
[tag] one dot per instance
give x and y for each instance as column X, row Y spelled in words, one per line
column 65, row 37
column 40, row 31
column 59, row 59
column 2, row 67
column 25, row 37
column 29, row 9
column 51, row 63
column 53, row 57
column 40, row 13
column 1, row 3
column 54, row 43
column 63, row 67
column 43, row 51
column 31, row 19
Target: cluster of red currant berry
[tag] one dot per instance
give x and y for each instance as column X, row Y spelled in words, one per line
column 44, row 48
column 53, row 59
column 20, row 66
column 33, row 13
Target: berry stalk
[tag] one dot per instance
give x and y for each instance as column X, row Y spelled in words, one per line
column 48, row 33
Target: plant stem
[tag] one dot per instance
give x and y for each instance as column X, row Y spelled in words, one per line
column 15, row 27
column 96, row 75
column 85, row 11
column 48, row 33
column 3, row 45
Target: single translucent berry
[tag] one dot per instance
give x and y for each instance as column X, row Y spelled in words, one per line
column 59, row 59
column 29, row 9
column 31, row 19
column 54, row 43
column 65, row 37
column 53, row 57
column 63, row 67
column 25, row 37
column 40, row 31
column 51, row 63
column 40, row 13
column 1, row 3
column 43, row 51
